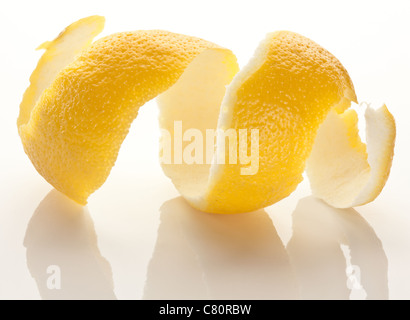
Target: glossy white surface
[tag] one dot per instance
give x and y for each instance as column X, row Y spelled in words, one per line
column 138, row 239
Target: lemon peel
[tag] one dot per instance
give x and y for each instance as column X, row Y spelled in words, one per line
column 59, row 53
column 78, row 124
column 84, row 96
column 342, row 170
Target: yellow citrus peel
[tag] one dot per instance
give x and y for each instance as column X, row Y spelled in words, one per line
column 342, row 170
column 84, row 96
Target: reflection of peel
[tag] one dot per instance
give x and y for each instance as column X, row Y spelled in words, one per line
column 317, row 258
column 61, row 233
column 199, row 256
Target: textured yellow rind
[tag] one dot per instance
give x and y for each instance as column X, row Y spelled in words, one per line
column 82, row 101
column 79, row 122
column 59, row 53
column 286, row 92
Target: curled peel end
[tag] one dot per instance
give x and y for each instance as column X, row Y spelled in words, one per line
column 59, row 53
column 345, row 172
column 380, row 137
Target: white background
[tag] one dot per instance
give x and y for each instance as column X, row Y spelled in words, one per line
column 195, row 255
